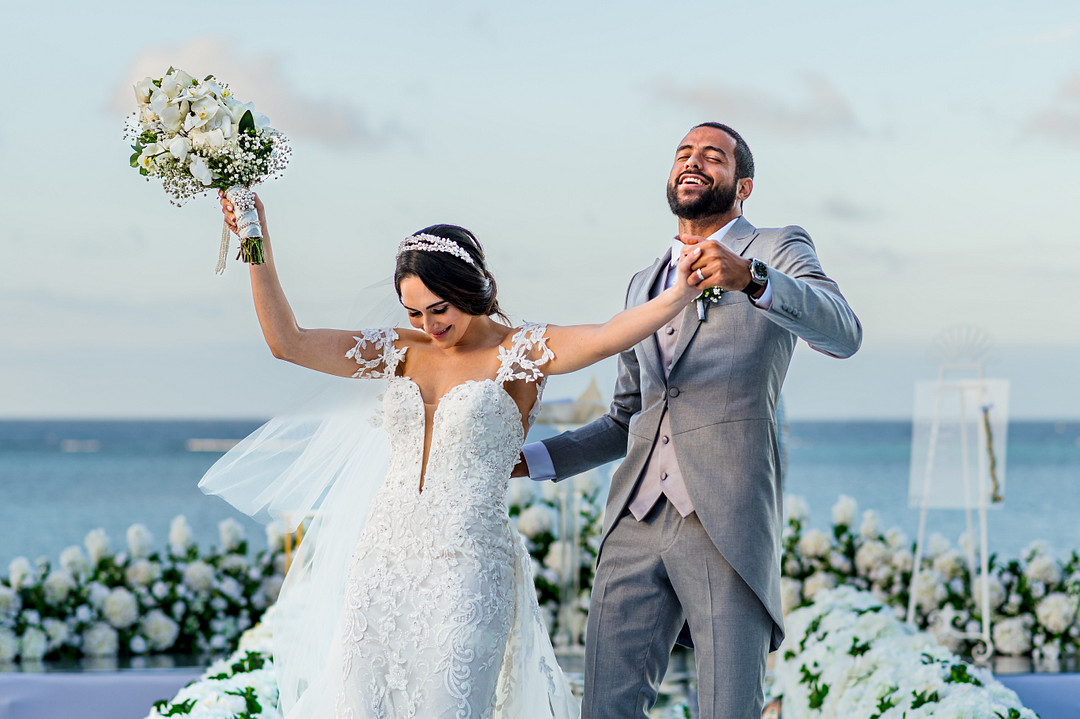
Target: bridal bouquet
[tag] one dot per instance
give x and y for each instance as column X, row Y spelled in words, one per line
column 195, row 136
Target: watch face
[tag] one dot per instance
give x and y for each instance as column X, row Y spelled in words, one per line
column 759, row 271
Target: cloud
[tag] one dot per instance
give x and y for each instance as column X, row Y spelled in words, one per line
column 821, row 109
column 260, row 79
column 1061, row 119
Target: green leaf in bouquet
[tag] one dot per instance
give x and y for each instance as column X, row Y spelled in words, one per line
column 247, row 123
column 135, row 156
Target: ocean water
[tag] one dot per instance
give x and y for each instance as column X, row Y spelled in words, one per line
column 61, row 479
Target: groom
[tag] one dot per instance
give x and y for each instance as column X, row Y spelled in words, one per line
column 691, row 537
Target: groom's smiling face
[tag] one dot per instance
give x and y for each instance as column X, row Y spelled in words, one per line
column 702, row 181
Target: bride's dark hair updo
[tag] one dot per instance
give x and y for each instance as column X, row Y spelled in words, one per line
column 467, row 286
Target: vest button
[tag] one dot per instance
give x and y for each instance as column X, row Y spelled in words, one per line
column 665, row 439
column 673, row 392
column 670, row 330
column 663, row 476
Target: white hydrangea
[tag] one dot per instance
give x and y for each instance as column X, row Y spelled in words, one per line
column 275, row 536
column 557, row 555
column 995, row 592
column 795, row 507
column 897, row 539
column 949, row 564
column 870, row 556
column 552, row 492
column 231, row 533
column 1034, row 549
column 930, row 591
column 57, row 586
column 97, row 545
column 521, row 492
column 97, row 593
column 142, row 573
column 57, row 631
column 180, row 535
column 870, row 523
column 138, row 645
column 790, row 593
column 1056, row 612
column 20, row 573
column 139, row 541
column 199, row 577
column 843, row 512
column 1043, row 568
column 33, row 645
column 10, row 602
column 121, row 609
column 817, row 582
column 903, row 560
column 536, row 520
column 73, row 561
column 937, row 544
column 814, row 543
column 9, row 645
column 100, row 640
column 1011, row 636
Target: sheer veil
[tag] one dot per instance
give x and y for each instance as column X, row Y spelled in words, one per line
column 325, row 459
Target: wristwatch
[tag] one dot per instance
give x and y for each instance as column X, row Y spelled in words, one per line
column 759, row 276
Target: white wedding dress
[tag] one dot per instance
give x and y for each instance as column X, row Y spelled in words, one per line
column 439, row 617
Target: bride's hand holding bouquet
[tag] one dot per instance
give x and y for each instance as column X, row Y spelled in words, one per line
column 195, row 136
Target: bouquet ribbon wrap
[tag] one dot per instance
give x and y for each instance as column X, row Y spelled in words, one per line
column 247, row 228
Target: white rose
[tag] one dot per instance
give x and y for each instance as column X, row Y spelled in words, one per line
column 180, row 536
column 536, row 520
column 100, row 640
column 814, row 543
column 1043, row 568
column 20, row 573
column 121, row 609
column 73, row 561
column 57, row 586
column 790, row 594
column 142, row 572
column 795, row 507
column 97, row 545
column 10, row 602
column 1056, row 612
column 817, row 582
column 870, row 556
column 139, row 541
column 33, row 645
column 199, row 577
column 9, row 645
column 57, row 631
column 1011, row 636
column 843, row 512
column 869, row 527
column 231, row 533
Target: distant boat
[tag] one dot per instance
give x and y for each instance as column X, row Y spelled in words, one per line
column 211, row 445
column 79, row 445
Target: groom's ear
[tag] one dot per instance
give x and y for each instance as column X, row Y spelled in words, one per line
column 743, row 189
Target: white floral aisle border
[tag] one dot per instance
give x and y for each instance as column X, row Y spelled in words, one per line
column 100, row 604
column 848, row 655
column 1034, row 599
column 242, row 686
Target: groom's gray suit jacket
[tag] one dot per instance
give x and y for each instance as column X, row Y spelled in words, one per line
column 721, row 394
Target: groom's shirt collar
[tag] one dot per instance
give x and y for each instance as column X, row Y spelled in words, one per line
column 677, row 245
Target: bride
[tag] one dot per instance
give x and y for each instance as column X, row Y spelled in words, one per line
column 416, row 599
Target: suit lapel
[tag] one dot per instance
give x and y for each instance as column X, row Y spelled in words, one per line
column 737, row 239
column 639, row 296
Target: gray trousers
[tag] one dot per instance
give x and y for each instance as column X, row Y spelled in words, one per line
column 653, row 575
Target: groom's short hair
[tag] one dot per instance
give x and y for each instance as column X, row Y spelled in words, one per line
column 744, row 159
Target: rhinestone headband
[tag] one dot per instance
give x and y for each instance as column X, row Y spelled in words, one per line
column 434, row 243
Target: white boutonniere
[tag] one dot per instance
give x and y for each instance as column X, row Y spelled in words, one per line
column 710, row 295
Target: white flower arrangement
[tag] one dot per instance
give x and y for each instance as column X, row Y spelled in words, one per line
column 194, row 136
column 138, row 601
column 847, row 655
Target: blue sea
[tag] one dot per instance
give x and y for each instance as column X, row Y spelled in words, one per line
column 61, row 479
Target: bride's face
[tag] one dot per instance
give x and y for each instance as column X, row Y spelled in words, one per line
column 428, row 312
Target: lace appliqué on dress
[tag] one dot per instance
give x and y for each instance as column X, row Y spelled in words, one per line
column 385, row 365
column 528, row 352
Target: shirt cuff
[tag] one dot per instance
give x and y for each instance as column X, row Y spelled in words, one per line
column 765, row 301
column 538, row 461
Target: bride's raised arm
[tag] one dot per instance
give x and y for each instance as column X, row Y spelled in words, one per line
column 323, row 350
column 578, row 346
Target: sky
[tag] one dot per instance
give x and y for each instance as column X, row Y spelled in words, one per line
column 930, row 149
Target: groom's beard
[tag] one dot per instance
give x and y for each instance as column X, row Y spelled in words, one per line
column 716, row 201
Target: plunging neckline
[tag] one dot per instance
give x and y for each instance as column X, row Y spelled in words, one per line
column 500, row 387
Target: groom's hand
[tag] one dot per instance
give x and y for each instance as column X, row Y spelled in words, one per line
column 719, row 266
column 521, row 469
